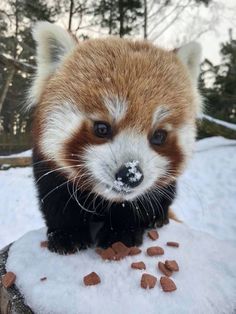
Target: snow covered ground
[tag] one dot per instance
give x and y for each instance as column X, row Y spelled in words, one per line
column 206, row 283
column 26, row 153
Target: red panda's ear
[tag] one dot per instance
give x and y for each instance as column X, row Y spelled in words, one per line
column 190, row 55
column 53, row 45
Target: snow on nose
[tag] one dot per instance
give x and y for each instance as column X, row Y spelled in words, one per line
column 128, row 176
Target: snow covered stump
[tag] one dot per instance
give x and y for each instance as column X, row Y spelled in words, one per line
column 205, row 281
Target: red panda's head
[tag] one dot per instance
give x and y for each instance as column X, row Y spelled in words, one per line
column 115, row 116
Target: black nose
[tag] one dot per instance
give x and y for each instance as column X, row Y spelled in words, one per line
column 130, row 174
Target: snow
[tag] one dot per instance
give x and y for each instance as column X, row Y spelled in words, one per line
column 119, row 185
column 220, row 122
column 207, row 255
column 206, row 198
column 205, row 283
column 132, row 167
column 133, row 175
column 27, row 153
column 18, row 205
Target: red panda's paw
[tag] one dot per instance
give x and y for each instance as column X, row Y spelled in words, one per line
column 64, row 242
column 106, row 237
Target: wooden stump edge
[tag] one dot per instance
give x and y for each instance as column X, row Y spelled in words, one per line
column 11, row 300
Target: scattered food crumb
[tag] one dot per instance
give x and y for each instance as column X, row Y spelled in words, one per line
column 134, row 250
column 121, row 249
column 174, row 244
column 138, row 265
column 8, row 279
column 43, row 278
column 162, row 267
column 167, row 284
column 153, row 234
column 44, row 244
column 108, row 254
column 155, row 250
column 92, row 279
column 98, row 250
column 148, row 281
column 172, row 265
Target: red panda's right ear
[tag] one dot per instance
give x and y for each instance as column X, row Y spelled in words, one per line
column 53, row 45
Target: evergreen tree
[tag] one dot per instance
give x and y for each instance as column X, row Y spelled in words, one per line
column 16, row 54
column 119, row 16
column 221, row 96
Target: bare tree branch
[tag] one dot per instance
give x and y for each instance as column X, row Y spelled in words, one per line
column 172, row 21
column 164, row 17
column 71, row 12
column 24, row 67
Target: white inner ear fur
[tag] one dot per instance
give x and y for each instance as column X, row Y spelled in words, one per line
column 190, row 55
column 53, row 46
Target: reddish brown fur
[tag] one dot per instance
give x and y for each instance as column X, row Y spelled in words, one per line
column 145, row 76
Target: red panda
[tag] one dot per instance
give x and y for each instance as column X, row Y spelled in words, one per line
column 114, row 125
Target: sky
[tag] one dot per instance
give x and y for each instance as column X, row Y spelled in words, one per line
column 212, row 22
column 207, row 25
column 217, row 18
column 211, row 41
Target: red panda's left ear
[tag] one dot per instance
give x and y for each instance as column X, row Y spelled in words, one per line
column 190, row 55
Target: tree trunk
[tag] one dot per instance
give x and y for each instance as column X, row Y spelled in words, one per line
column 145, row 20
column 121, row 14
column 110, row 17
column 70, row 14
column 6, row 86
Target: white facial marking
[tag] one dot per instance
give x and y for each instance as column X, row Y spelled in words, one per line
column 116, row 107
column 159, row 114
column 59, row 125
column 103, row 162
column 186, row 136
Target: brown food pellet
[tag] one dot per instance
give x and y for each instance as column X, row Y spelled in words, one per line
column 164, row 269
column 44, row 244
column 8, row 279
column 119, row 256
column 92, row 279
column 172, row 265
column 138, row 265
column 120, row 248
column 148, row 281
column 134, row 250
column 167, row 284
column 155, row 250
column 98, row 250
column 153, row 234
column 174, row 244
column 43, row 279
column 108, row 254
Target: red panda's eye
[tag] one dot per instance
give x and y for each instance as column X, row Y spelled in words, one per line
column 158, row 137
column 102, row 129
